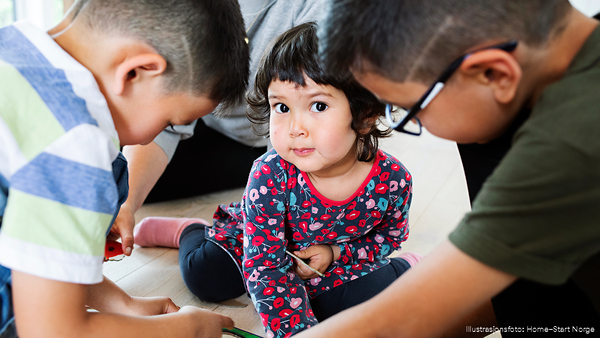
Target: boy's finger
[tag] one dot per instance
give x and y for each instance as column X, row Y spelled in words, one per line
column 127, row 241
column 226, row 322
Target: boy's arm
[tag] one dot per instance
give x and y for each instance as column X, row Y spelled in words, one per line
column 108, row 297
column 426, row 301
column 48, row 308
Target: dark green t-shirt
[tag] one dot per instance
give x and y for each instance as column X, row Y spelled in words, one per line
column 538, row 214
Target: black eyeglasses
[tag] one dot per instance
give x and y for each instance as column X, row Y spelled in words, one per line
column 400, row 119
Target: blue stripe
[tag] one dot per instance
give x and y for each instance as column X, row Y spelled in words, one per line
column 50, row 83
column 3, row 193
column 69, row 183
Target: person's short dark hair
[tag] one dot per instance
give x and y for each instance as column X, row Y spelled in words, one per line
column 293, row 55
column 203, row 41
column 417, row 39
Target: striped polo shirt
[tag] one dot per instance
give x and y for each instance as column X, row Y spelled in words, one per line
column 57, row 144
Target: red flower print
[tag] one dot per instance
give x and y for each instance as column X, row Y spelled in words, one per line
column 268, row 263
column 258, row 240
column 376, row 214
column 377, row 171
column 353, row 215
column 291, row 183
column 351, row 229
column 338, row 271
column 395, row 167
column 259, row 219
column 325, row 204
column 319, row 238
column 295, row 320
column 293, row 290
column 278, row 302
column 332, row 235
column 306, row 215
column 285, row 313
column 273, row 191
column 283, row 163
column 297, row 236
column 265, row 169
column 325, row 217
column 248, row 263
column 352, row 205
column 220, row 237
column 337, row 283
column 264, row 317
column 283, row 279
column 385, row 176
column 272, row 282
column 381, row 188
column 303, row 226
column 268, row 291
column 357, row 266
column 407, row 175
column 270, row 183
column 305, row 204
column 275, row 324
column 313, row 200
column 256, row 174
column 362, row 223
column 273, row 249
column 238, row 251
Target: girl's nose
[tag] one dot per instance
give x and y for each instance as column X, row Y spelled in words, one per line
column 297, row 126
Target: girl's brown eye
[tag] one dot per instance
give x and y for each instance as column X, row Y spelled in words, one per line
column 318, row 107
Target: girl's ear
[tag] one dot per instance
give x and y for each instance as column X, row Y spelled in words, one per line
column 497, row 69
column 137, row 68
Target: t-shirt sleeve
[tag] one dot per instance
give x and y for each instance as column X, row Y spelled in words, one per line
column 537, row 215
column 279, row 295
column 169, row 138
column 59, row 207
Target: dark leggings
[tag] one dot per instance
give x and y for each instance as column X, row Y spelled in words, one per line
column 212, row 275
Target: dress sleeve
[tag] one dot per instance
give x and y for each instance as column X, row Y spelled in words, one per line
column 390, row 229
column 278, row 294
column 169, row 138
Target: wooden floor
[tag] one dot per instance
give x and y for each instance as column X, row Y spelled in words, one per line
column 440, row 200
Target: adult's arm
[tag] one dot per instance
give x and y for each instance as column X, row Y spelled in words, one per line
column 146, row 163
column 48, row 308
column 426, row 301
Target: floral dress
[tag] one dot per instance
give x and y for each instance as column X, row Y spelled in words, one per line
column 282, row 210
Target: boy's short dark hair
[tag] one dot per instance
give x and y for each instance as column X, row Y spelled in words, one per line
column 294, row 54
column 203, row 41
column 417, row 39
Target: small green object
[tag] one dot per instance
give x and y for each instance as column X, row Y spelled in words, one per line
column 240, row 333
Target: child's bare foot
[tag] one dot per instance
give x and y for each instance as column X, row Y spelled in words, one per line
column 162, row 231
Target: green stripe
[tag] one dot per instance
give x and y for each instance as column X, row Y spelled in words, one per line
column 55, row 225
column 32, row 124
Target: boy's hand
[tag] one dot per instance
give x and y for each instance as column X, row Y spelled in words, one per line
column 150, row 306
column 207, row 323
column 123, row 228
column 319, row 258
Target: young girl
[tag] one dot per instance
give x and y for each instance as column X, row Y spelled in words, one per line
column 324, row 193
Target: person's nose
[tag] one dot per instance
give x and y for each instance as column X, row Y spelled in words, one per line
column 298, row 126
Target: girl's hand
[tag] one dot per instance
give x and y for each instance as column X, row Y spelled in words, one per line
column 319, row 257
column 207, row 324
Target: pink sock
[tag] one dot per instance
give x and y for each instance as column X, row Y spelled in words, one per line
column 162, row 231
column 411, row 257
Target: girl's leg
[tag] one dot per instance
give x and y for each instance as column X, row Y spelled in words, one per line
column 208, row 270
column 162, row 231
column 359, row 290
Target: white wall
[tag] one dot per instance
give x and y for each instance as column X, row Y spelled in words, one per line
column 587, row 7
column 42, row 13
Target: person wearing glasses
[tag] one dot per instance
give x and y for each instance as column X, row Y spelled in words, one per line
column 518, row 74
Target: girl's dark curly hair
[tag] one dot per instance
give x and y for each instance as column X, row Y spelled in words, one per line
column 294, row 54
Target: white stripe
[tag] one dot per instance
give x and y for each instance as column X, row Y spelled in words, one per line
column 83, row 82
column 49, row 263
column 76, row 146
column 436, row 89
column 11, row 157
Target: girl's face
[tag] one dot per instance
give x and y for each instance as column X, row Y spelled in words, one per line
column 310, row 127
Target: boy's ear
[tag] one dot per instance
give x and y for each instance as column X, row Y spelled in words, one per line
column 497, row 69
column 137, row 68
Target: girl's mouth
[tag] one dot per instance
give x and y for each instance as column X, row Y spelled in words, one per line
column 303, row 151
